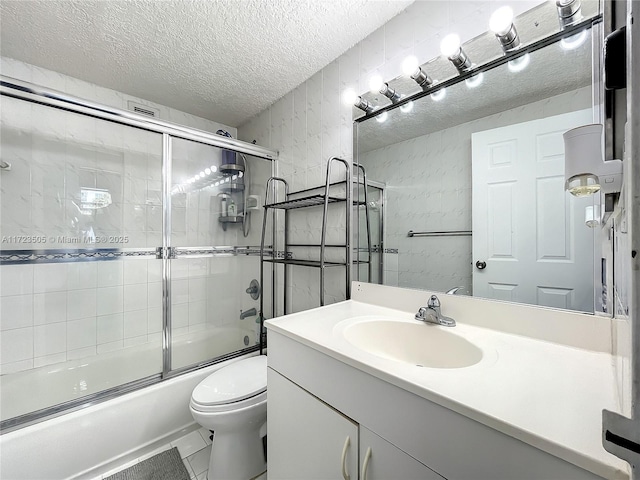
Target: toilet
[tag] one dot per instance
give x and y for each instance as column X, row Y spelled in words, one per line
column 232, row 402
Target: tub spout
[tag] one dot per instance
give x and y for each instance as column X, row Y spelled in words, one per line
column 248, row 313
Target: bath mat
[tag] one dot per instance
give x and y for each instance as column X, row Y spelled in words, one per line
column 163, row 466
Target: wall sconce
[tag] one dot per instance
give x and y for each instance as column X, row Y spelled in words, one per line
column 350, row 97
column 569, row 12
column 501, row 23
column 586, row 172
column 411, row 68
column 450, row 48
column 376, row 85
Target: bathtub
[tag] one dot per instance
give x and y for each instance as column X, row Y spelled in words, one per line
column 87, row 442
column 42, row 387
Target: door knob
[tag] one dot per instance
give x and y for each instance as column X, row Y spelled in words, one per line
column 480, row 265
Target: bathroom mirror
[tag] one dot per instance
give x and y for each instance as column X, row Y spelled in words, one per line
column 474, row 183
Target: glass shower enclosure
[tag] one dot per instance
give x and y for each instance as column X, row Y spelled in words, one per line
column 126, row 251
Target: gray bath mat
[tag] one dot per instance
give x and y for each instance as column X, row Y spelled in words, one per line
column 163, row 466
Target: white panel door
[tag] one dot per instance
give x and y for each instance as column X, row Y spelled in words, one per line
column 306, row 437
column 527, row 230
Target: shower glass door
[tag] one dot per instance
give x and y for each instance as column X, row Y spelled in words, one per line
column 80, row 284
column 207, row 259
column 126, row 252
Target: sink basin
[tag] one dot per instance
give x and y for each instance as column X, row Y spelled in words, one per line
column 413, row 343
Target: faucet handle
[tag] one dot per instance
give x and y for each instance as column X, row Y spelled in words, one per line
column 433, row 302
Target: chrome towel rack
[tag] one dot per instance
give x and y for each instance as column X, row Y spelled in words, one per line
column 453, row 233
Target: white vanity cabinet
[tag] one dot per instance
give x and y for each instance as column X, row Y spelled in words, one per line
column 316, row 400
column 308, row 439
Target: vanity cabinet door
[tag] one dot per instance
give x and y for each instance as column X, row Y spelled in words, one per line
column 307, row 439
column 381, row 460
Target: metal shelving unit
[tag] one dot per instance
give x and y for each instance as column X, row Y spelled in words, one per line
column 308, row 199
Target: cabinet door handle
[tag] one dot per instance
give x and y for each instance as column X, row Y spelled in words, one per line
column 345, row 475
column 365, row 464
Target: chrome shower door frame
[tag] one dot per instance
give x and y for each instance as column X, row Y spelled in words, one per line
column 33, row 93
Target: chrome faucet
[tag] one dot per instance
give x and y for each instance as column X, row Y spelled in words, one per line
column 431, row 314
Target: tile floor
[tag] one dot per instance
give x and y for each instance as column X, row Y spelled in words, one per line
column 195, row 450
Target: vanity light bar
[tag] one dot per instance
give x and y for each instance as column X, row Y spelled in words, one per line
column 517, row 58
column 515, row 54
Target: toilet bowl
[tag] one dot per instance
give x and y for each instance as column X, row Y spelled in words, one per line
column 232, row 402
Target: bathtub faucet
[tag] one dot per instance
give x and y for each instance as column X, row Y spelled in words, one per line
column 248, row 313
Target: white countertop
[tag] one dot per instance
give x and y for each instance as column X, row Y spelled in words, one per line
column 545, row 394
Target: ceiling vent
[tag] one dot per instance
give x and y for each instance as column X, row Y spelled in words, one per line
column 143, row 109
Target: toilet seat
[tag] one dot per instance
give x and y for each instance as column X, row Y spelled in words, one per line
column 225, row 407
column 237, row 385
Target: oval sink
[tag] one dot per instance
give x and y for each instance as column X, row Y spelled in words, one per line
column 413, row 343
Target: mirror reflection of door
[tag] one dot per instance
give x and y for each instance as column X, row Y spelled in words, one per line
column 530, row 242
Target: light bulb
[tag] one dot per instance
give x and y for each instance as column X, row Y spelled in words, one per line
column 501, row 20
column 410, row 65
column 375, row 83
column 214, row 168
column 207, row 171
column 382, row 117
column 407, row 107
column 201, row 174
column 475, row 81
column 450, row 45
column 241, row 174
column 439, row 95
column 519, row 64
column 234, row 177
column 349, row 97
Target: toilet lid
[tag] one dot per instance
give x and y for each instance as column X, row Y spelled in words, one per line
column 235, row 382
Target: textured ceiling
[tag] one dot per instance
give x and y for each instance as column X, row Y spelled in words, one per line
column 225, row 60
